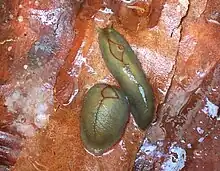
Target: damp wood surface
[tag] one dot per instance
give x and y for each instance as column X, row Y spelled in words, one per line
column 50, row 57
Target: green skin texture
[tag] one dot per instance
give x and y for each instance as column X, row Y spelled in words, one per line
column 104, row 116
column 126, row 68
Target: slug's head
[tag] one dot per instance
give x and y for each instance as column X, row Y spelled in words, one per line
column 113, row 43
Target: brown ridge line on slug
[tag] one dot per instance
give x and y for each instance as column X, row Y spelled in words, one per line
column 100, row 103
column 118, row 45
column 96, row 117
column 117, row 97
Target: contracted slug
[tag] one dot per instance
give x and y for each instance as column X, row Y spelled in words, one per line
column 126, row 68
column 104, row 116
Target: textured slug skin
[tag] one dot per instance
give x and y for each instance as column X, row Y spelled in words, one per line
column 126, row 68
column 104, row 116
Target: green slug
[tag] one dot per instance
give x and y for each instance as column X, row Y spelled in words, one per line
column 126, row 68
column 104, row 116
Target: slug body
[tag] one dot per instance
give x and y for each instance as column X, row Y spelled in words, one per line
column 103, row 117
column 126, row 68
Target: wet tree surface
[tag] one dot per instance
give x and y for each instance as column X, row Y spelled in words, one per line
column 50, row 57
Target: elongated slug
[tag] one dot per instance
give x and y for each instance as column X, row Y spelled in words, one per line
column 126, row 68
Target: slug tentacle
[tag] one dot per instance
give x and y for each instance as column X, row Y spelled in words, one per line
column 126, row 68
